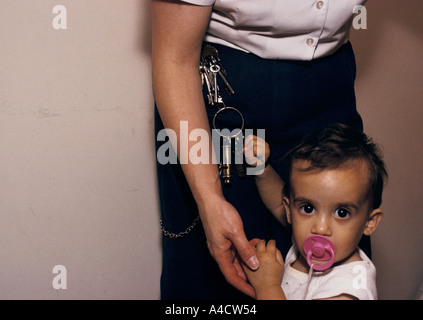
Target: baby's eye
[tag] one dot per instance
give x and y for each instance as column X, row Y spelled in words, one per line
column 307, row 208
column 342, row 213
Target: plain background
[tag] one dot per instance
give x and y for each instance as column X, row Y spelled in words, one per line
column 77, row 162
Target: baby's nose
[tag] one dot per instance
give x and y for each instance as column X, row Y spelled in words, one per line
column 321, row 226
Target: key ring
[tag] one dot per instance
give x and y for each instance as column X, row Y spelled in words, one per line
column 220, row 112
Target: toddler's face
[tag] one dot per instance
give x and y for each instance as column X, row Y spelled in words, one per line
column 336, row 203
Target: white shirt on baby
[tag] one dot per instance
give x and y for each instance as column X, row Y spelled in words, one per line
column 281, row 29
column 357, row 278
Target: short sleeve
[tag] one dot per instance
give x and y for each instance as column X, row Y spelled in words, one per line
column 357, row 279
column 200, row 2
column 345, row 285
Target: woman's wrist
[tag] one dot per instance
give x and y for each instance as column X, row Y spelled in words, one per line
column 207, row 191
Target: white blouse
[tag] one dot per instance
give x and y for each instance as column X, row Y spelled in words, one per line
column 281, row 29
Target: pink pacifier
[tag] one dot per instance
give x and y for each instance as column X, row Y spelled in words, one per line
column 319, row 248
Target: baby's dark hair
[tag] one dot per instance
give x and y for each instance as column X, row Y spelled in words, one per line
column 332, row 146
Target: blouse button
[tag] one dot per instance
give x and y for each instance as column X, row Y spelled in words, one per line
column 320, row 4
column 310, row 41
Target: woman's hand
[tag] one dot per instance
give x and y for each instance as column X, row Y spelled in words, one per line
column 228, row 244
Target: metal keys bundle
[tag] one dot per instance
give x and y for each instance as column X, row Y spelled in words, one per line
column 211, row 70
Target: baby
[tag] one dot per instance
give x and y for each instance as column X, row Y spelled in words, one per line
column 332, row 196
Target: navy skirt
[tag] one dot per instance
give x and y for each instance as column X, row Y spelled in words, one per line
column 286, row 98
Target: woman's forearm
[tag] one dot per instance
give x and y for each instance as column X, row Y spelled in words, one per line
column 181, row 104
column 178, row 32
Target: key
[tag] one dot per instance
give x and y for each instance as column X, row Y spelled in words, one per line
column 228, row 87
column 210, row 56
column 206, row 62
column 205, row 74
column 215, row 69
column 240, row 171
column 226, row 161
column 238, row 155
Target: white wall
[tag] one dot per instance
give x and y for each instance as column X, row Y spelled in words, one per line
column 77, row 171
column 389, row 97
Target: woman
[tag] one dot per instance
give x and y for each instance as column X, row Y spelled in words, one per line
column 293, row 70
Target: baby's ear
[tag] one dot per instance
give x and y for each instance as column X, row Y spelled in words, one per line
column 285, row 201
column 373, row 221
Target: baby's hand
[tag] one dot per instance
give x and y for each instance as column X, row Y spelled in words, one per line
column 269, row 274
column 256, row 151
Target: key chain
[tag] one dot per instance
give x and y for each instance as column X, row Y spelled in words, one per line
column 230, row 150
column 211, row 69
